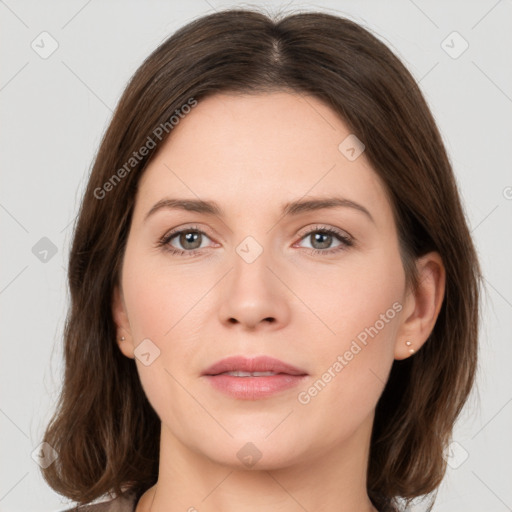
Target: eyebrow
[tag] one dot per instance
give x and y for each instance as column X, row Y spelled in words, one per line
column 292, row 208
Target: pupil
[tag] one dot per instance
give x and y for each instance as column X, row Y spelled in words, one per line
column 327, row 241
column 190, row 238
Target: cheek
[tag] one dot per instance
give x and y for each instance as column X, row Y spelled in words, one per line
column 158, row 297
column 164, row 305
column 351, row 372
column 360, row 310
column 347, row 299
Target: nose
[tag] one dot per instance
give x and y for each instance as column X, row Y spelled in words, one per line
column 253, row 293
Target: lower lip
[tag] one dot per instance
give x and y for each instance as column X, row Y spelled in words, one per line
column 253, row 388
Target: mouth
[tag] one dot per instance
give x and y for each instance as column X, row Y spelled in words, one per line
column 253, row 379
column 249, row 374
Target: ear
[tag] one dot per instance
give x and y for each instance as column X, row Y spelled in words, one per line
column 122, row 324
column 422, row 306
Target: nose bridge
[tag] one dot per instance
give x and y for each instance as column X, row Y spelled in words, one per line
column 251, row 278
column 250, row 249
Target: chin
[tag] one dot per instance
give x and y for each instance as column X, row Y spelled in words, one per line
column 256, row 454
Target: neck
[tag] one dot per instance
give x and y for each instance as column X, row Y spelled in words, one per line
column 332, row 481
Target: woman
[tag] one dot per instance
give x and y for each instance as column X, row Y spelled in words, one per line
column 274, row 292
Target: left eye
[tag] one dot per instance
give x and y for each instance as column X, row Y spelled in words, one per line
column 323, row 239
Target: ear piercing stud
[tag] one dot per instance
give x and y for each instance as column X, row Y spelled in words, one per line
column 122, row 338
column 411, row 350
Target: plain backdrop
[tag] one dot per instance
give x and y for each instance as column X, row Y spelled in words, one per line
column 63, row 67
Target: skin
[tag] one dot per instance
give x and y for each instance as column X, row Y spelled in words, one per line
column 251, row 154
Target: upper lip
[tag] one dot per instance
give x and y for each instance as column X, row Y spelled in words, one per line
column 255, row 364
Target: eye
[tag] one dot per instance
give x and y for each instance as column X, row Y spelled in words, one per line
column 322, row 237
column 190, row 239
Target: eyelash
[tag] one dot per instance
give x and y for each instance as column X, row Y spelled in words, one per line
column 346, row 241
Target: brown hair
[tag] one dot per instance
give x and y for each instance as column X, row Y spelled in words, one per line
column 104, row 429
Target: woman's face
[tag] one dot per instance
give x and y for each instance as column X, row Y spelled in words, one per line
column 259, row 278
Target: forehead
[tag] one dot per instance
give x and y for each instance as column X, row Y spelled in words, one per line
column 248, row 151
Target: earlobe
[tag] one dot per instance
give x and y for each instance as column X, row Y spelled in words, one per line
column 122, row 324
column 422, row 306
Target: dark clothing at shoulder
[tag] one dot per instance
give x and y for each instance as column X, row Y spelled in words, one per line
column 126, row 502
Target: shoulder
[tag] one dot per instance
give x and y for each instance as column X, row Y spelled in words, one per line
column 126, row 502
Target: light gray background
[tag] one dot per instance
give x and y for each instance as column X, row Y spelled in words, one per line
column 55, row 110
